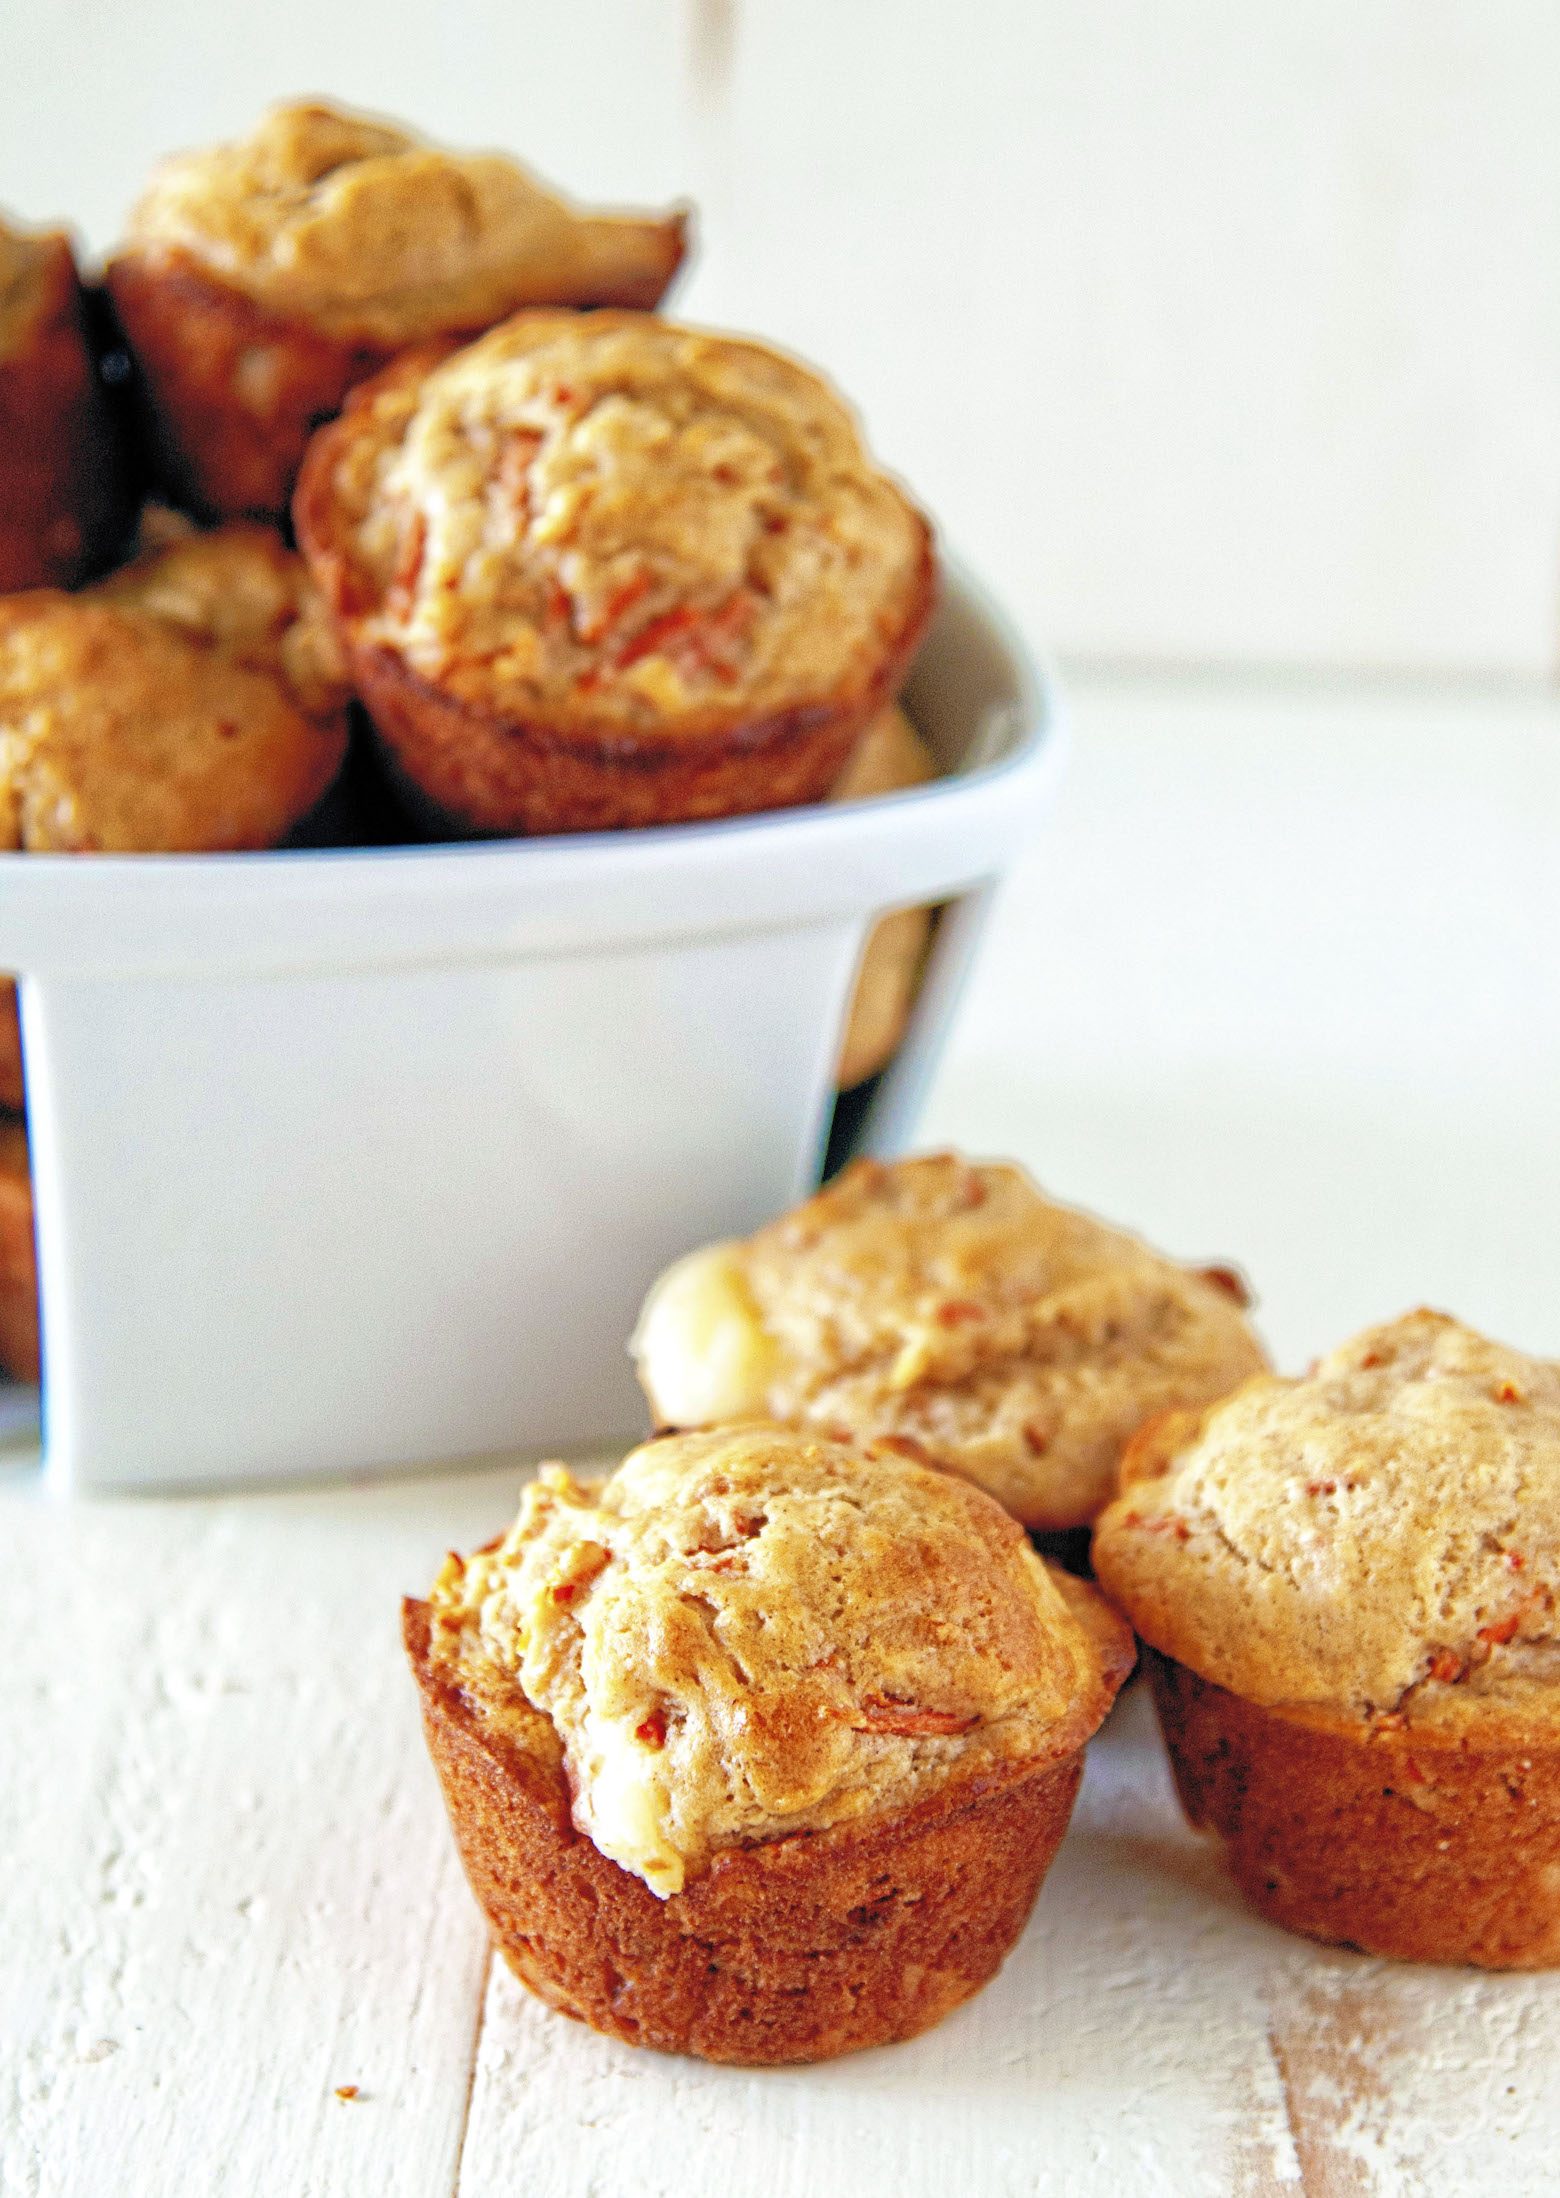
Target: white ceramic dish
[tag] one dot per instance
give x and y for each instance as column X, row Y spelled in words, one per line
column 365, row 1157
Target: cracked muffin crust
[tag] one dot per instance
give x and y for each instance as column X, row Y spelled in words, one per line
column 747, row 1633
column 18, row 1260
column 945, row 1305
column 686, row 1717
column 193, row 701
column 260, row 280
column 598, row 570
column 1350, row 1581
column 60, row 502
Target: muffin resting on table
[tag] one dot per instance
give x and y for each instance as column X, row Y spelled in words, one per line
column 599, row 570
column 1349, row 1583
column 889, row 757
column 12, row 1091
column 760, row 1749
column 946, row 1306
column 59, row 467
column 18, row 1261
column 259, row 281
column 192, row 701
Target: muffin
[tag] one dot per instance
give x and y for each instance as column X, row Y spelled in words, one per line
column 889, row 757
column 1349, row 1586
column 259, row 281
column 192, row 701
column 18, row 1262
column 946, row 1307
column 759, row 1750
column 59, row 473
column 598, row 570
column 13, row 1095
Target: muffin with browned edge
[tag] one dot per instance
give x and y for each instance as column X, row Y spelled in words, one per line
column 18, row 1261
column 192, row 701
column 1349, row 1584
column 598, row 570
column 946, row 1306
column 60, row 504
column 760, row 1749
column 890, row 757
column 260, row 280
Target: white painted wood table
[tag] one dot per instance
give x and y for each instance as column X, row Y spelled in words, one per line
column 1280, row 983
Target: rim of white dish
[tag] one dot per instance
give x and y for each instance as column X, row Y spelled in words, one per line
column 122, row 915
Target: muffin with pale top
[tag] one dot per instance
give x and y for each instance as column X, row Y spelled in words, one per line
column 598, row 570
column 1349, row 1584
column 760, row 1749
column 947, row 1307
column 260, row 280
column 60, row 478
column 193, row 701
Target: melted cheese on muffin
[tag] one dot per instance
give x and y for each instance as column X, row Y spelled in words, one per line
column 948, row 1305
column 701, row 1331
column 747, row 1633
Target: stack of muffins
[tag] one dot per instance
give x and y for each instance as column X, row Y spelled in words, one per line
column 368, row 498
column 761, row 1748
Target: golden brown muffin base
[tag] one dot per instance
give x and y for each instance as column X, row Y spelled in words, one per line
column 1392, row 1838
column 234, row 392
column 18, row 1259
column 482, row 775
column 795, row 1950
column 59, row 463
column 12, row 1089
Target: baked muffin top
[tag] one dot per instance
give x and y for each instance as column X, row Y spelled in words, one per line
column 1381, row 1537
column 359, row 230
column 746, row 1633
column 945, row 1304
column 192, row 701
column 606, row 516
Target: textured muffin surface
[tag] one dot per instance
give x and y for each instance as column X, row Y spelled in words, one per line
column 607, row 518
column 746, row 1634
column 357, row 229
column 947, row 1305
column 192, row 701
column 1381, row 1536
